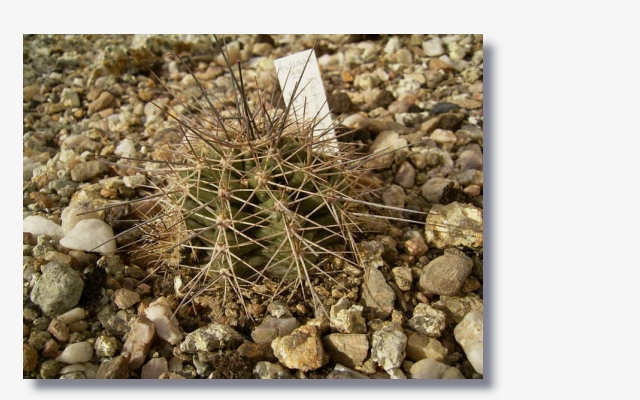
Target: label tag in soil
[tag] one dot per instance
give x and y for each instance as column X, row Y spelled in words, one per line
column 310, row 100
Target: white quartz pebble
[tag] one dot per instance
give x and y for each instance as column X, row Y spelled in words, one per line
column 76, row 353
column 468, row 334
column 90, row 235
column 38, row 225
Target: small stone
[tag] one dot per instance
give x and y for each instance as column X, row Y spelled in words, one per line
column 211, row 337
column 446, row 274
column 154, row 368
column 443, row 136
column 468, row 104
column 49, row 369
column 105, row 346
column 388, row 347
column 415, row 246
column 454, row 225
column 342, row 372
column 58, row 289
column 433, row 47
column 428, row 320
column 125, row 298
column 348, row 349
column 38, row 225
column 88, row 170
column 134, row 181
column 468, row 334
column 272, row 327
column 29, row 358
column 117, row 368
column 421, row 346
column 138, row 342
column 59, row 330
column 405, row 175
column 126, row 148
column 402, row 278
column 432, row 369
column 268, row 370
column 443, row 107
column 167, row 327
column 347, row 319
column 91, row 235
column 433, row 189
column 383, row 149
column 302, row 349
column 69, row 98
column 377, row 295
column 76, row 353
column 255, row 352
column 103, row 101
column 469, row 160
column 457, row 307
column 279, row 309
column 72, row 316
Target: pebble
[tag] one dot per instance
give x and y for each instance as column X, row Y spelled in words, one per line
column 444, row 107
column 388, row 346
column 302, row 349
column 405, row 175
column 91, row 235
column 443, row 136
column 126, row 148
column 455, row 224
column 414, row 245
column 421, row 346
column 432, row 369
column 59, row 330
column 383, row 149
column 49, row 369
column 167, row 327
column 446, row 274
column 344, row 318
column 268, row 370
column 428, row 320
column 125, row 298
column 377, row 296
column 402, row 278
column 58, row 289
column 103, row 101
column 76, row 353
column 272, row 327
column 138, row 342
column 348, row 349
column 433, row 189
column 457, row 307
column 255, row 352
column 154, row 368
column 211, row 337
column 116, row 368
column 88, row 170
column 469, row 159
column 468, row 334
column 38, row 226
column 105, row 346
column 29, row 358
column 433, row 47
column 72, row 316
column 342, row 372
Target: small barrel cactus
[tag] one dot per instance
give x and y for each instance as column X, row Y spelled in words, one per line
column 250, row 196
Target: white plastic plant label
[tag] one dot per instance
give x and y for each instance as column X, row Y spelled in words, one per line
column 309, row 100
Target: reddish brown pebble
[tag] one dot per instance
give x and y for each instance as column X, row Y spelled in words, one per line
column 29, row 358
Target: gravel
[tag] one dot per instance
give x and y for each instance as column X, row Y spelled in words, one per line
column 93, row 119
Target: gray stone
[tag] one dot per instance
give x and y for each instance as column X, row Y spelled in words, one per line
column 469, row 159
column 446, row 274
column 428, row 320
column 58, row 289
column 377, row 295
column 301, row 350
column 469, row 334
column 211, row 337
column 267, row 370
column 388, row 346
column 349, row 350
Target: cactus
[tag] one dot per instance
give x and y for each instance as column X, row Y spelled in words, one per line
column 248, row 196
